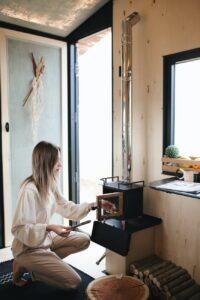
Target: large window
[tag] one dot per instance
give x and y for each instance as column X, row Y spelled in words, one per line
column 181, row 109
column 90, row 105
column 94, row 114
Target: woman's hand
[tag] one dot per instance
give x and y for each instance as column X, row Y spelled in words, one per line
column 59, row 229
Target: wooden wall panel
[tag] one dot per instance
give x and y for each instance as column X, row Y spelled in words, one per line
column 166, row 27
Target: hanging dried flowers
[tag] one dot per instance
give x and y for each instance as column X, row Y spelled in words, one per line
column 34, row 99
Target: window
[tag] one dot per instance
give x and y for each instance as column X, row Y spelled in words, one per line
column 181, row 106
column 94, row 114
column 90, row 103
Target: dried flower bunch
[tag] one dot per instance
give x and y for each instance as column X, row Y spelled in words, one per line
column 34, row 99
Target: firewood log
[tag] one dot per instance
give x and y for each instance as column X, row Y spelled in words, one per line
column 171, row 277
column 141, row 263
column 176, row 282
column 140, row 270
column 184, row 285
column 162, row 270
column 157, row 268
column 162, row 276
column 187, row 293
column 159, row 272
column 195, row 297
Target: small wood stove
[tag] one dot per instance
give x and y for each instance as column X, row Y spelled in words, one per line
column 127, row 197
column 114, row 230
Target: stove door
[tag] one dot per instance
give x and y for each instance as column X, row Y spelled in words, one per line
column 111, row 237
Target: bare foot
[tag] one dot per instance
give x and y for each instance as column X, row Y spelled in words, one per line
column 17, row 274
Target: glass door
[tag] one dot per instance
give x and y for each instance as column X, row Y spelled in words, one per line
column 94, row 110
column 17, row 131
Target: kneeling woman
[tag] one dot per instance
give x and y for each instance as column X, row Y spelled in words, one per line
column 38, row 246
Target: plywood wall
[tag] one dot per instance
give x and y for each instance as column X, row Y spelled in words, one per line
column 166, row 27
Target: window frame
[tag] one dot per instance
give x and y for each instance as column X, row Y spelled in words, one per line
column 169, row 62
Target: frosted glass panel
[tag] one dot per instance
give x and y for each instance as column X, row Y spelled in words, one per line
column 20, row 72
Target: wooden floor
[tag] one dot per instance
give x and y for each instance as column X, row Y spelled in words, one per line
column 5, row 254
column 86, row 260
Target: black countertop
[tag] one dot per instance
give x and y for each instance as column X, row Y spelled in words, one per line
column 155, row 185
column 135, row 224
column 140, row 223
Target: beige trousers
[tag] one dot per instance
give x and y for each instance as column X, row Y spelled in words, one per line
column 46, row 265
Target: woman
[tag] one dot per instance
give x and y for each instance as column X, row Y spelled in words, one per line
column 38, row 246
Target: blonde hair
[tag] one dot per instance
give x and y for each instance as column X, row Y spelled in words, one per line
column 44, row 158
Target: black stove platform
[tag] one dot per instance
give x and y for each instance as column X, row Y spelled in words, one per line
column 140, row 223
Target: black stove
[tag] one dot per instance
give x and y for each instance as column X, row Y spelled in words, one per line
column 114, row 233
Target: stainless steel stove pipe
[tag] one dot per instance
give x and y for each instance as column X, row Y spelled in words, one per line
column 127, row 93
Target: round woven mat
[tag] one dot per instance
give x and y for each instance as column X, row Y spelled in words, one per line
column 114, row 287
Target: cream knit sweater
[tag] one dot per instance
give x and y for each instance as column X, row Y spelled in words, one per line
column 32, row 216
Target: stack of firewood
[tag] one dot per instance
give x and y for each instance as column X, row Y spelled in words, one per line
column 165, row 280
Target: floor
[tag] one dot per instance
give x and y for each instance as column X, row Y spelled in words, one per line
column 84, row 261
column 5, row 254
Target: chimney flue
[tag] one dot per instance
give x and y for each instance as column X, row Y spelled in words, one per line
column 127, row 24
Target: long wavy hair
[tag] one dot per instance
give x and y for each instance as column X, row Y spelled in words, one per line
column 44, row 158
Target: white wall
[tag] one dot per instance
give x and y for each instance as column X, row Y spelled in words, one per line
column 166, row 27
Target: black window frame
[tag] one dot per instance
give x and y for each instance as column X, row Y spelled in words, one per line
column 169, row 62
column 101, row 20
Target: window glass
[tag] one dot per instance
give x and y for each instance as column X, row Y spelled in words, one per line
column 187, row 107
column 94, row 114
column 181, row 102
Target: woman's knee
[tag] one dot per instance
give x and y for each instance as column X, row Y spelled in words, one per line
column 85, row 242
column 73, row 283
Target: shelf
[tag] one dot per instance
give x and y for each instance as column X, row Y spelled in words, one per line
column 174, row 164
